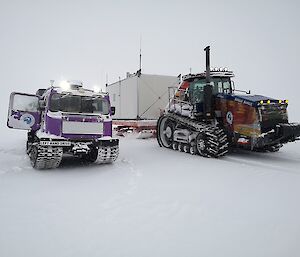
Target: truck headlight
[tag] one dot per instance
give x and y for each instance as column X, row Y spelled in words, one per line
column 65, row 85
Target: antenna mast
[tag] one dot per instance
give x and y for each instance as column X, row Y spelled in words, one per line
column 140, row 65
column 106, row 82
column 139, row 72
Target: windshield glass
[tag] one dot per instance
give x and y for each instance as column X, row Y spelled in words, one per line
column 196, row 90
column 78, row 104
column 220, row 85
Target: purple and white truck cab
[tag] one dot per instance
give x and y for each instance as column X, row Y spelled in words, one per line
column 65, row 119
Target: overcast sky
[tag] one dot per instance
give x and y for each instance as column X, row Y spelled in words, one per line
column 85, row 40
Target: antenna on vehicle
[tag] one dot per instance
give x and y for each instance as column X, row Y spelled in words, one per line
column 106, row 84
column 140, row 62
column 51, row 82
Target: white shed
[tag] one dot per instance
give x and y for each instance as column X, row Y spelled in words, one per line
column 140, row 96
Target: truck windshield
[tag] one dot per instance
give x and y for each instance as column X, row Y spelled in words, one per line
column 78, row 104
column 219, row 84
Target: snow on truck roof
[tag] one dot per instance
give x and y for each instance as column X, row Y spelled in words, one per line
column 80, row 91
column 213, row 73
column 75, row 87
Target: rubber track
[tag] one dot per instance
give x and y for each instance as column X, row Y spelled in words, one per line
column 48, row 157
column 107, row 154
column 217, row 143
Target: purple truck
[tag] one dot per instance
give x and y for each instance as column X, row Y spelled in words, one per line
column 66, row 119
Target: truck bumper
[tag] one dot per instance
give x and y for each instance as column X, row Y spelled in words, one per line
column 281, row 134
column 107, row 142
column 287, row 132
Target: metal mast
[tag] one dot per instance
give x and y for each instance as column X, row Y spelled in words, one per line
column 139, row 72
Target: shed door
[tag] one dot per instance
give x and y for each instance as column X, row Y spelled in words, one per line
column 23, row 112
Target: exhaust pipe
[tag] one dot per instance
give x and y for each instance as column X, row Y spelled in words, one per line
column 208, row 99
column 207, row 52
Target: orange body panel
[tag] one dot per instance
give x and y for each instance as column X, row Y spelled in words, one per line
column 239, row 117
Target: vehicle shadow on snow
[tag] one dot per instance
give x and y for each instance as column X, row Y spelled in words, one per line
column 277, row 161
column 280, row 156
column 71, row 163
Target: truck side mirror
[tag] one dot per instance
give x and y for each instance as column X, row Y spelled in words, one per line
column 112, row 110
column 42, row 105
column 232, row 85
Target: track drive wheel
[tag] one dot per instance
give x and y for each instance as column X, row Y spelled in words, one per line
column 180, row 147
column 193, row 150
column 201, row 144
column 186, row 148
column 175, row 146
column 165, row 131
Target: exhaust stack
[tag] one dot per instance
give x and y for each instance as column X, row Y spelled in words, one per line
column 208, row 101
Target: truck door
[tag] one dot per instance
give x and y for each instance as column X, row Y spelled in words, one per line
column 196, row 93
column 23, row 111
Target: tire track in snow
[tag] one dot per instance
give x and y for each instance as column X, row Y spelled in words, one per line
column 260, row 164
column 135, row 174
column 123, row 198
column 13, row 160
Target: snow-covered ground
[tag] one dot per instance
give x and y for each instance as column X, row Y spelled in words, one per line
column 151, row 202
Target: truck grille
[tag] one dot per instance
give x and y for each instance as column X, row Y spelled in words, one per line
column 271, row 115
column 84, row 128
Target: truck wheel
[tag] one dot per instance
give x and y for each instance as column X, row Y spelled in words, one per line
column 201, row 144
column 193, row 150
column 186, row 149
column 165, row 131
column 175, row 146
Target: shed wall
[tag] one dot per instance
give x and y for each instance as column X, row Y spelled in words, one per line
column 153, row 94
column 151, row 100
column 123, row 95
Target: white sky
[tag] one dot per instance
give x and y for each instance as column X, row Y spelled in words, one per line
column 85, row 40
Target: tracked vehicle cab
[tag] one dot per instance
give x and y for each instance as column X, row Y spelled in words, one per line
column 196, row 84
